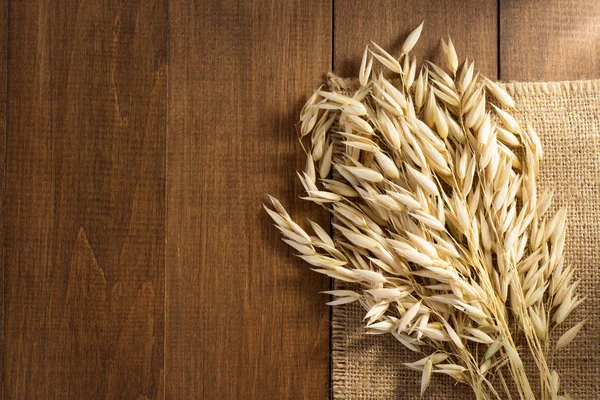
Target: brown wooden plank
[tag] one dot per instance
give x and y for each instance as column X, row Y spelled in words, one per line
column 244, row 319
column 85, row 200
column 471, row 25
column 3, row 49
column 549, row 40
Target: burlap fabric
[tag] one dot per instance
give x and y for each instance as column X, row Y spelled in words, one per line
column 567, row 117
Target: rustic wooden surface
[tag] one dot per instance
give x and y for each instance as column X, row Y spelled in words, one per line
column 141, row 138
column 472, row 26
column 244, row 319
column 549, row 40
column 85, row 200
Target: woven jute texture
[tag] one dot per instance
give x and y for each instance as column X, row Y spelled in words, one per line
column 566, row 116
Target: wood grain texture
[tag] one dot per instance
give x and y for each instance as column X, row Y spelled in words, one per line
column 244, row 319
column 549, row 40
column 471, row 25
column 85, row 200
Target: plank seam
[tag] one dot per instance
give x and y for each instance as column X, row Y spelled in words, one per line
column 331, row 282
column 3, row 211
column 166, row 199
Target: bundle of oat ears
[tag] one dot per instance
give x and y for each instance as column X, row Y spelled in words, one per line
column 440, row 231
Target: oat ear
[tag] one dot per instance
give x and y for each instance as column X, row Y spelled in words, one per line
column 438, row 224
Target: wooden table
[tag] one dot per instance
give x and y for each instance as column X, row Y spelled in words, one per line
column 139, row 140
